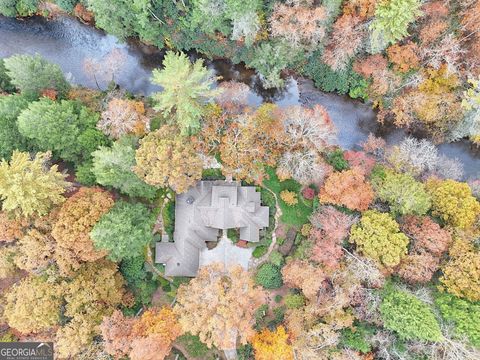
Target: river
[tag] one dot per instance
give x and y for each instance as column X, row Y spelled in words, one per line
column 92, row 58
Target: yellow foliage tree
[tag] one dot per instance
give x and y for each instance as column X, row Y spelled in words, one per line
column 461, row 274
column 28, row 187
column 36, row 249
column 378, row 236
column 454, row 203
column 272, row 345
column 165, row 158
column 33, row 305
column 94, row 292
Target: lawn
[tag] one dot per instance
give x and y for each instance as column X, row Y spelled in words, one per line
column 295, row 215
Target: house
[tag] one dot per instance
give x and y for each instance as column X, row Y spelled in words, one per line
column 203, row 214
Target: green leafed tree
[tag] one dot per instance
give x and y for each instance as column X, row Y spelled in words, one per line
column 33, row 74
column 124, row 231
column 18, row 7
column 269, row 60
column 409, row 317
column 66, row 128
column 10, row 137
column 391, row 21
column 269, row 276
column 403, row 193
column 5, row 81
column 112, row 166
column 186, row 87
column 28, row 187
column 124, row 18
column 464, row 314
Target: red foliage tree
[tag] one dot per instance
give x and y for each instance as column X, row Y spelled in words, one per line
column 428, row 236
column 418, row 268
column 360, row 160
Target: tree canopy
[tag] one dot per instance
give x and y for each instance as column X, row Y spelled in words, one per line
column 33, row 74
column 28, row 186
column 186, row 89
column 124, row 231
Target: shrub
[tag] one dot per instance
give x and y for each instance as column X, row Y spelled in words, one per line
column 294, row 301
column 269, row 276
column 409, row 317
column 336, row 159
column 276, row 258
column 308, row 193
column 260, row 251
column 289, row 197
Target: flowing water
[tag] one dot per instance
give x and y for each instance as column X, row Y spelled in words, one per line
column 91, row 58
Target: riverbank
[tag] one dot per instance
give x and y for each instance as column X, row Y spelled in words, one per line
column 93, row 59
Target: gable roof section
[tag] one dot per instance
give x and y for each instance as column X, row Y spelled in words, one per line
column 203, row 211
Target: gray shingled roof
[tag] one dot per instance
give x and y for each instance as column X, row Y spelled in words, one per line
column 200, row 214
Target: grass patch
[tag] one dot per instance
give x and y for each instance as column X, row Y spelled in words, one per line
column 194, row 346
column 296, row 215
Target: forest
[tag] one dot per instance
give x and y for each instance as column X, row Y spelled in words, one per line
column 369, row 253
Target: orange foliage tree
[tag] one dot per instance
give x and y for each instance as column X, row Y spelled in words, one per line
column 76, row 218
column 272, row 345
column 251, row 142
column 11, row 228
column 219, row 306
column 154, row 334
column 304, row 276
column 347, row 188
column 404, row 57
